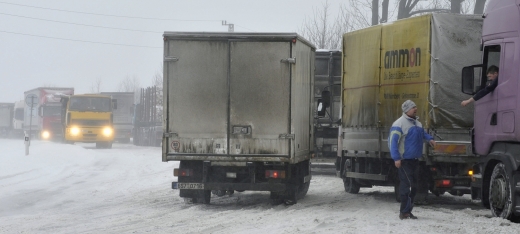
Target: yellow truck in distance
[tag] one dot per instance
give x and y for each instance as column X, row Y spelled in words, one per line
column 88, row 118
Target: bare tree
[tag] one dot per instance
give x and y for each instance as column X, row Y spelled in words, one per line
column 456, row 6
column 157, row 78
column 95, row 87
column 375, row 12
column 405, row 8
column 479, row 6
column 129, row 84
column 324, row 32
column 358, row 10
column 384, row 11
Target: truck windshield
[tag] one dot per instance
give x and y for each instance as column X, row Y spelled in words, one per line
column 51, row 110
column 96, row 104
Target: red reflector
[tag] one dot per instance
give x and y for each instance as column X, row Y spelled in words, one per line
column 182, row 172
column 433, row 169
column 276, row 174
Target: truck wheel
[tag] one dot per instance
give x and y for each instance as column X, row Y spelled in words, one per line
column 275, row 199
column 219, row 193
column 500, row 193
column 109, row 145
column 99, row 145
column 438, row 193
column 351, row 186
column 302, row 190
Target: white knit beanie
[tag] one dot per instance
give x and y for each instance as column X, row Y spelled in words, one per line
column 408, row 105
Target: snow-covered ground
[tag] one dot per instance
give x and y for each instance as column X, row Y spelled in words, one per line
column 61, row 188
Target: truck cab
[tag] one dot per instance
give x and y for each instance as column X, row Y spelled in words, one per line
column 496, row 179
column 18, row 117
column 88, row 118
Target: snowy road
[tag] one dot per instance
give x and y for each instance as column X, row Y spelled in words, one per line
column 62, row 188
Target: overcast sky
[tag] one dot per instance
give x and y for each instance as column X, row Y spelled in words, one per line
column 30, row 57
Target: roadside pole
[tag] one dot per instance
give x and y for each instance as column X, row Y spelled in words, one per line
column 29, row 100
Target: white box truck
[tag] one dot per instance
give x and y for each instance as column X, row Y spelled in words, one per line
column 238, row 113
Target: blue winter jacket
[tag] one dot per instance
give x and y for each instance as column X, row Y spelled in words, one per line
column 406, row 138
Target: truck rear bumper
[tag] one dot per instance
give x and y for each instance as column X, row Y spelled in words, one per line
column 278, row 187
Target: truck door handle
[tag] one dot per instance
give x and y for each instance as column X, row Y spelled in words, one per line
column 493, row 119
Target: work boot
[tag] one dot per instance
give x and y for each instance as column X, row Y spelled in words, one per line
column 407, row 216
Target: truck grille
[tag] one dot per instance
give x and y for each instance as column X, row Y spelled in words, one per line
column 90, row 122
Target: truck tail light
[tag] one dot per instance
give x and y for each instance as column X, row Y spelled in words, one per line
column 182, row 172
column 443, row 183
column 276, row 174
column 470, row 172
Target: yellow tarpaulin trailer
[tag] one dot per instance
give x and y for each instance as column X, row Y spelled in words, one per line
column 419, row 59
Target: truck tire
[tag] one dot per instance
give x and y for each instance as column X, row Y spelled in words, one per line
column 351, row 186
column 302, row 190
column 501, row 193
column 275, row 198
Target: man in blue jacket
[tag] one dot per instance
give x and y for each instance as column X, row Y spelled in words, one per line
column 406, row 146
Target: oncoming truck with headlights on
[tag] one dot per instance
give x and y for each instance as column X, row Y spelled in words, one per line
column 88, row 118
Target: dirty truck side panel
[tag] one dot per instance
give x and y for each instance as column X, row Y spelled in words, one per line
column 252, row 103
column 360, row 85
column 302, row 107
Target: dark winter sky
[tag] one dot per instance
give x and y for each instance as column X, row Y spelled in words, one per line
column 33, row 52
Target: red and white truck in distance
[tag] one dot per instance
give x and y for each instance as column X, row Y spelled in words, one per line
column 46, row 113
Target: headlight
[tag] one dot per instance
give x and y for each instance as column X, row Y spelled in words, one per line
column 74, row 131
column 107, row 131
column 46, row 134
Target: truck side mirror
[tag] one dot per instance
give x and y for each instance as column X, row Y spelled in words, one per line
column 114, row 104
column 40, row 111
column 471, row 77
column 321, row 109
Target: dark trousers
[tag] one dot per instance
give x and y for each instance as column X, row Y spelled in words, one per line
column 408, row 183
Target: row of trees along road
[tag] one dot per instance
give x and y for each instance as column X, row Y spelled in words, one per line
column 326, row 31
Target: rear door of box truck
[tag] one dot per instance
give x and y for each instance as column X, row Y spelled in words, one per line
column 226, row 99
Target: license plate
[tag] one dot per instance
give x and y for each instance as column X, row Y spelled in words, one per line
column 190, row 186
